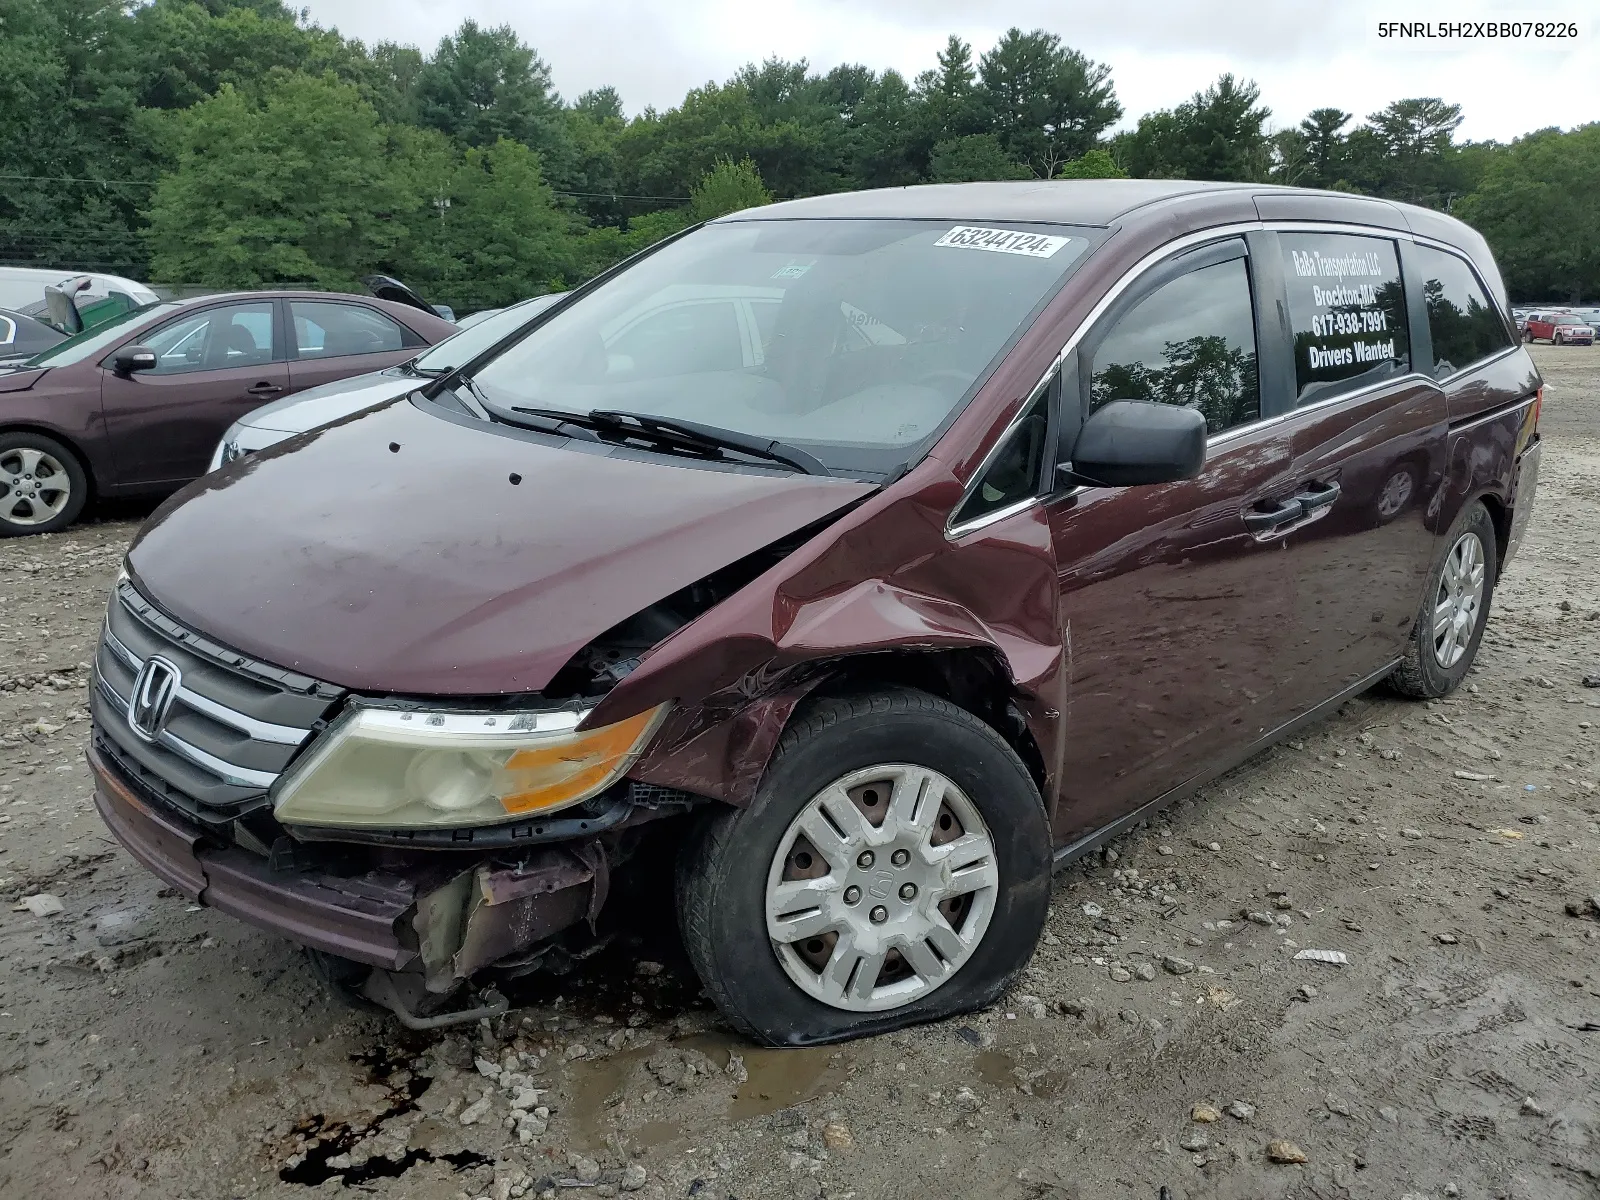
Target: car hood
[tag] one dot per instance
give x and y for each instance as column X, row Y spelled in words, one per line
column 319, row 405
column 391, row 552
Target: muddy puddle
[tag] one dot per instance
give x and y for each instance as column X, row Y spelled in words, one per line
column 605, row 1095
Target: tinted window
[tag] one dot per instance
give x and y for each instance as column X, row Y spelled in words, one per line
column 1015, row 471
column 1191, row 342
column 237, row 335
column 330, row 330
column 1465, row 326
column 1347, row 308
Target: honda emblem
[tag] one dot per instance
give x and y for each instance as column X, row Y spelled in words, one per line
column 154, row 688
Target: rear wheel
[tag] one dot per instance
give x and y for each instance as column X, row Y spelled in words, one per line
column 893, row 868
column 1444, row 641
column 42, row 485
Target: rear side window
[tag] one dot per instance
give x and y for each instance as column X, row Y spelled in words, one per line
column 332, row 330
column 1466, row 327
column 1191, row 342
column 1348, row 311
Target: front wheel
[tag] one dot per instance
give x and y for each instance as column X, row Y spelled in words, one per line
column 1444, row 641
column 893, row 868
column 1558, row 340
column 42, row 485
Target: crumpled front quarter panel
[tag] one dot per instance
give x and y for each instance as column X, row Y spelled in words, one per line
column 884, row 578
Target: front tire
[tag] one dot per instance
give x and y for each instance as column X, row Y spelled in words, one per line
column 43, row 486
column 1558, row 340
column 893, row 868
column 1444, row 642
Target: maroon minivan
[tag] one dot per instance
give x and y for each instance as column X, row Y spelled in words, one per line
column 883, row 551
column 137, row 404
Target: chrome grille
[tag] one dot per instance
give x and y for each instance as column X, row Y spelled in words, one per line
column 232, row 725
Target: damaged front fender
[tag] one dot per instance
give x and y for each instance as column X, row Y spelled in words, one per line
column 882, row 583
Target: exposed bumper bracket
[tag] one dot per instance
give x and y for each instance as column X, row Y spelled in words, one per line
column 398, row 992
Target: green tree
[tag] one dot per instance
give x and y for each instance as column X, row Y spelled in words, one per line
column 482, row 85
column 974, row 157
column 1096, row 164
column 1323, row 131
column 502, row 238
column 1407, row 152
column 887, row 134
column 600, row 104
column 69, row 117
column 182, row 51
column 1046, row 102
column 949, row 105
column 1539, row 206
column 728, row 187
column 1313, row 154
column 290, row 186
column 776, row 114
column 1219, row 133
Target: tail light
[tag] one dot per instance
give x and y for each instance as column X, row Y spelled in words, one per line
column 1538, row 403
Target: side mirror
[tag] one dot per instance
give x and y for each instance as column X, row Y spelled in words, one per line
column 1132, row 442
column 445, row 311
column 133, row 358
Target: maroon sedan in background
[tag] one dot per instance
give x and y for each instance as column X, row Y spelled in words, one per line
column 137, row 405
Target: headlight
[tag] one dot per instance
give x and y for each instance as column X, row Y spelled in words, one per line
column 395, row 769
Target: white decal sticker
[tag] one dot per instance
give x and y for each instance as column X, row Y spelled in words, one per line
column 1003, row 241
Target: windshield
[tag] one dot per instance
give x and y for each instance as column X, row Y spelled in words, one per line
column 854, row 340
column 91, row 341
column 465, row 346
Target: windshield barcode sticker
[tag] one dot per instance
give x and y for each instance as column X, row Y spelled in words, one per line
column 1002, row 241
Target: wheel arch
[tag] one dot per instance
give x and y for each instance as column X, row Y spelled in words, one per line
column 67, row 440
column 974, row 679
column 722, row 747
column 1500, row 518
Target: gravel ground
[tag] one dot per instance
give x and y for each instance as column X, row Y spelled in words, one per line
column 1165, row 1033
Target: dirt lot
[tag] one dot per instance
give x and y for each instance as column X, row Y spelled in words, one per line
column 152, row 1048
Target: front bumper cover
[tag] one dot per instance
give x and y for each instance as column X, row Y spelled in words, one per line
column 353, row 918
column 445, row 915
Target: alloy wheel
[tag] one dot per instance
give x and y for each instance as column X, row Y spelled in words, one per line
column 881, row 888
column 1396, row 493
column 34, row 486
column 1459, row 600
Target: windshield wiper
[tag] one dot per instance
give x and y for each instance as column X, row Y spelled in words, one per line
column 549, row 420
column 693, row 435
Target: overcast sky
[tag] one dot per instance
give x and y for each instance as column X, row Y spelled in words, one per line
column 1303, row 53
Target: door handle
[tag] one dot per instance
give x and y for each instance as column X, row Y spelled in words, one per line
column 1260, row 520
column 1318, row 496
column 263, row 389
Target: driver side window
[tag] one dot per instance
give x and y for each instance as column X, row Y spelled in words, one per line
column 1190, row 342
column 234, row 335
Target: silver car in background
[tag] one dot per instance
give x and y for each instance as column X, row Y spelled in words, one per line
column 271, row 423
